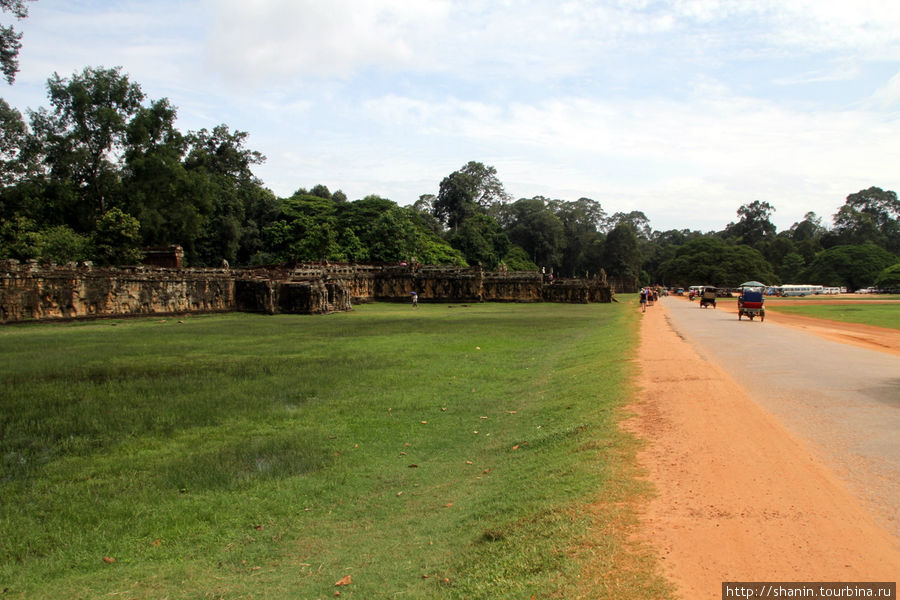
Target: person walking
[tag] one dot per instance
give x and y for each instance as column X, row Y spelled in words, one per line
column 643, row 297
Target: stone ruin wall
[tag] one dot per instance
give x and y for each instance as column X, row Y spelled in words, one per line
column 33, row 292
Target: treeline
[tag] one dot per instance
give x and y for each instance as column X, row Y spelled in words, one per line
column 104, row 172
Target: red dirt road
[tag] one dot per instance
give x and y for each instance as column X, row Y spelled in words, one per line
column 739, row 497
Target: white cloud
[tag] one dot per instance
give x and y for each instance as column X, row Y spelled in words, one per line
column 666, row 106
column 295, row 38
column 705, row 155
column 888, row 96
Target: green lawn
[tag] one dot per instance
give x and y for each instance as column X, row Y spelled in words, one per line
column 879, row 315
column 444, row 452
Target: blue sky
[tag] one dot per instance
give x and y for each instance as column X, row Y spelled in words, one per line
column 684, row 109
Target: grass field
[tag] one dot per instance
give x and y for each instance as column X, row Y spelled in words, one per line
column 867, row 313
column 444, row 452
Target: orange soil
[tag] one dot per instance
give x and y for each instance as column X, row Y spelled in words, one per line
column 739, row 497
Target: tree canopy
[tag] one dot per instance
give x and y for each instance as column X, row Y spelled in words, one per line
column 851, row 266
column 712, row 261
column 10, row 40
column 103, row 171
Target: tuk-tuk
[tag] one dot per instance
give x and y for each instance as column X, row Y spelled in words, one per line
column 708, row 297
column 750, row 303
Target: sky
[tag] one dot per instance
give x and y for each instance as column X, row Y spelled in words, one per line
column 682, row 109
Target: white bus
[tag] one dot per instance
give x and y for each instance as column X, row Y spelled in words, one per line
column 801, row 290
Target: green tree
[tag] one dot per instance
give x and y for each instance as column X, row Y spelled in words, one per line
column 359, row 215
column 889, row 278
column 307, row 229
column 481, row 241
column 116, row 239
column 172, row 203
column 661, row 247
column 455, row 201
column 488, row 191
column 791, row 267
column 350, row 248
column 883, row 206
column 62, row 245
column 775, row 248
column 531, row 224
column 852, row 227
column 20, row 239
column 636, row 219
column 10, row 41
column 622, row 253
column 472, row 189
column 517, row 260
column 713, row 261
column 81, row 138
column 871, row 215
column 810, row 228
column 755, row 224
column 223, row 167
column 320, row 191
column 393, row 237
column 852, row 266
column 582, row 221
column 13, row 136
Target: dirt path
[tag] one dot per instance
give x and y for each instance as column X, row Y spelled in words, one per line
column 739, row 498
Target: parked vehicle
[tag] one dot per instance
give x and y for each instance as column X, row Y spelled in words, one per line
column 801, row 290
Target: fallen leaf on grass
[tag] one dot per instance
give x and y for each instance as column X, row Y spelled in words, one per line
column 399, row 493
column 109, row 560
column 345, row 580
column 516, row 447
column 155, row 543
column 424, row 422
column 448, row 505
column 413, row 466
column 468, row 462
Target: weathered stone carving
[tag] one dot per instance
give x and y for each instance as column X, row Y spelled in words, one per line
column 33, row 292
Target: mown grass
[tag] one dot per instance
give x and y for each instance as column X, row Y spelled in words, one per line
column 879, row 315
column 443, row 452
